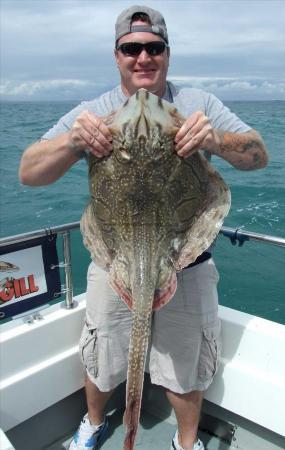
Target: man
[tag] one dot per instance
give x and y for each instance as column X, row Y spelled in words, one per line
column 184, row 354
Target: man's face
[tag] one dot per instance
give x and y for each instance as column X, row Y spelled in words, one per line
column 144, row 70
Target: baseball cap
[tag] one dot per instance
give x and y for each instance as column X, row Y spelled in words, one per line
column 124, row 22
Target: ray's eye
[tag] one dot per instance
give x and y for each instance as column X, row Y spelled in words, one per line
column 123, row 155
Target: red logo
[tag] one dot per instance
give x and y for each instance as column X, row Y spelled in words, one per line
column 17, row 287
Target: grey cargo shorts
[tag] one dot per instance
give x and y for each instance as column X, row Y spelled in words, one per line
column 185, row 341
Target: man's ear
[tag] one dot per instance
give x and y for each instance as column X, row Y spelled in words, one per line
column 116, row 55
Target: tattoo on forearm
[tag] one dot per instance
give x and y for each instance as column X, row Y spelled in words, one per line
column 241, row 150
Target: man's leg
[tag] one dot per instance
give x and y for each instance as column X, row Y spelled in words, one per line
column 186, row 346
column 96, row 402
column 104, row 310
column 187, row 408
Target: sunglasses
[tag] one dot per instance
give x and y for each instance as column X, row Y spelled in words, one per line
column 135, row 48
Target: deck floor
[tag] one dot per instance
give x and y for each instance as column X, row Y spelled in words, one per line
column 154, row 434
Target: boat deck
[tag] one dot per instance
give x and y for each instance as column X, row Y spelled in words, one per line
column 53, row 428
column 154, row 434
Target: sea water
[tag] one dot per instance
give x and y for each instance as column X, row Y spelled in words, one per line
column 251, row 276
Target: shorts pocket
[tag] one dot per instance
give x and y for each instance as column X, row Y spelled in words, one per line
column 210, row 351
column 88, row 350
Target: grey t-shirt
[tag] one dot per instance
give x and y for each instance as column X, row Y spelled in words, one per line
column 186, row 100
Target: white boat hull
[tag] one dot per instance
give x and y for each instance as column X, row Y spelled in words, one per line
column 40, row 366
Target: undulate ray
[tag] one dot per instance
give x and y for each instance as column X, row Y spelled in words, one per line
column 151, row 214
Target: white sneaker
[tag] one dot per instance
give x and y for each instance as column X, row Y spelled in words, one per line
column 175, row 445
column 87, row 436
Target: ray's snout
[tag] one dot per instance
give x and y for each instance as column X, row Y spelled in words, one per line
column 142, row 111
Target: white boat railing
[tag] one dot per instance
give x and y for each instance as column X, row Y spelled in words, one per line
column 235, row 235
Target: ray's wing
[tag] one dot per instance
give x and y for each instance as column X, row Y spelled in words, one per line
column 201, row 200
column 214, row 207
column 96, row 222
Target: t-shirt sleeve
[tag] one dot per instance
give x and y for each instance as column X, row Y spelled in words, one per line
column 64, row 124
column 222, row 118
column 100, row 106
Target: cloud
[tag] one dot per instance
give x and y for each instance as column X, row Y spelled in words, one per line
column 231, row 87
column 31, row 88
column 50, row 41
column 224, row 87
column 269, row 87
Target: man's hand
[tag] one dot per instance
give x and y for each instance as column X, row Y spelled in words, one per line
column 244, row 151
column 196, row 133
column 89, row 131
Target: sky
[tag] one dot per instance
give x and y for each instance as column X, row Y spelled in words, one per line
column 63, row 49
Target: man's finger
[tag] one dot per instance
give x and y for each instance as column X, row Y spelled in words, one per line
column 187, row 126
column 196, row 143
column 99, row 136
column 97, row 123
column 90, row 142
column 183, row 141
column 194, row 133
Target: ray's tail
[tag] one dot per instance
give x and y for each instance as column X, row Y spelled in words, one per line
column 137, row 358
